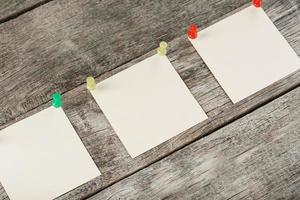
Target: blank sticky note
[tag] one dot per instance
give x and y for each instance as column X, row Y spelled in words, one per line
column 148, row 104
column 42, row 157
column 246, row 53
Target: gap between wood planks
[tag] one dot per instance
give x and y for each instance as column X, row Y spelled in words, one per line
column 23, row 11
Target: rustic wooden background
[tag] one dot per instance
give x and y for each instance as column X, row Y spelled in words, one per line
column 248, row 150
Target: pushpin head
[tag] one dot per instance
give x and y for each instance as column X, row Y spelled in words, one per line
column 90, row 83
column 193, row 31
column 257, row 3
column 162, row 49
column 56, row 100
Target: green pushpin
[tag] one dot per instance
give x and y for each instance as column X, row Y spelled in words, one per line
column 56, row 100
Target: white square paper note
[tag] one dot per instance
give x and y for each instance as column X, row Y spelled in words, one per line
column 246, row 53
column 148, row 104
column 42, row 157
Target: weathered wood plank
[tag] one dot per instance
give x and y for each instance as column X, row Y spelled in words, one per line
column 12, row 9
column 255, row 157
column 92, row 126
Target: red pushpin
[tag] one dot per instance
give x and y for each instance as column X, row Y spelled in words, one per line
column 193, row 31
column 257, row 3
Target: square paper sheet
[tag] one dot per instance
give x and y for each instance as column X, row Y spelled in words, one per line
column 246, row 53
column 148, row 104
column 42, row 157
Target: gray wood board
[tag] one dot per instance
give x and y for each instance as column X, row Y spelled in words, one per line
column 65, row 69
column 10, row 9
column 255, row 157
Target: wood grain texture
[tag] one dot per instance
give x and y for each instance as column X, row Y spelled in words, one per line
column 255, row 157
column 12, row 9
column 56, row 47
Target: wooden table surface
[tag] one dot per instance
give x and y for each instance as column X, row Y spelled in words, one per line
column 248, row 150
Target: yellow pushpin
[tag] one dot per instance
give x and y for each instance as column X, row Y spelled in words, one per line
column 162, row 49
column 90, row 83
